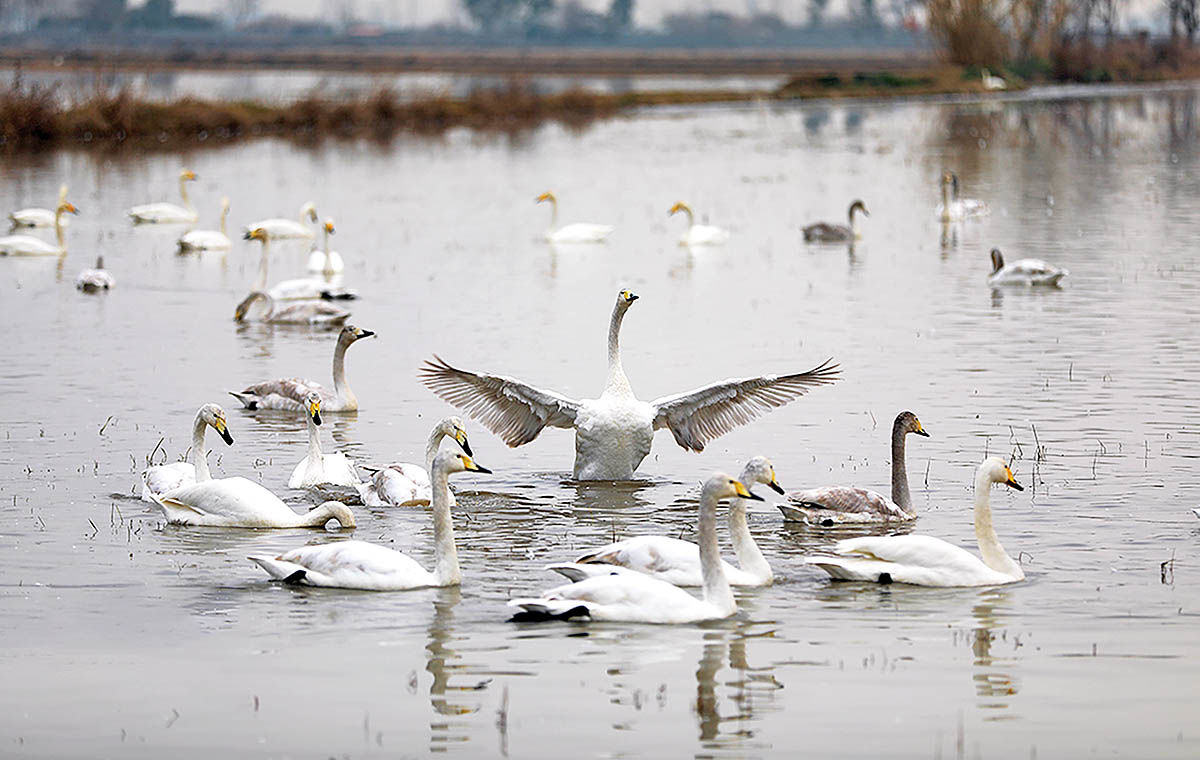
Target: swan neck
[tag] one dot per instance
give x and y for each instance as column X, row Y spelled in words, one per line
column 750, row 557
column 58, row 230
column 432, row 446
column 199, row 459
column 716, row 586
column 617, row 382
column 340, row 386
column 446, row 554
column 990, row 549
column 554, row 213
column 314, row 443
column 328, row 266
column 187, row 202
column 900, row 492
column 224, row 213
column 691, row 217
column 261, row 282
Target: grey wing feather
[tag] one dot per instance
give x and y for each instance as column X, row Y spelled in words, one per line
column 511, row 409
column 699, row 416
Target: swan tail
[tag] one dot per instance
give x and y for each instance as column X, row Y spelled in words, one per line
column 575, row 572
column 249, row 400
column 339, row 295
column 278, row 569
column 542, row 610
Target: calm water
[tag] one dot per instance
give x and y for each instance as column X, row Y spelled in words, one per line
column 122, row 637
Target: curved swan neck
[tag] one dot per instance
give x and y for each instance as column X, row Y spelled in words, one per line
column 691, row 217
column 432, row 446
column 750, row 557
column 446, row 571
column 716, row 586
column 199, row 459
column 990, row 550
column 900, row 492
column 340, row 386
column 616, row 382
column 261, row 282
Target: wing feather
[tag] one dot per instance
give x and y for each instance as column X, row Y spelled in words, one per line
column 511, row 409
column 699, row 416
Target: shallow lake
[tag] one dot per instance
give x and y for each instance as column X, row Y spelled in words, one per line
column 124, row 637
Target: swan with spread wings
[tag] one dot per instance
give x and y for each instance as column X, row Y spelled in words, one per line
column 613, row 433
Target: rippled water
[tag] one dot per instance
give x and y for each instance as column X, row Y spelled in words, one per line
column 122, row 637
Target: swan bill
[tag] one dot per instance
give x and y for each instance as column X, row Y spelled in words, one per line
column 776, row 488
column 744, row 492
column 1011, row 481
column 472, row 466
column 461, row 438
column 224, row 432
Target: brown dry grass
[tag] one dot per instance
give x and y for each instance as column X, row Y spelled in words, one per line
column 970, row 32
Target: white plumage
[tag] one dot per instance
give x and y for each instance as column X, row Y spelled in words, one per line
column 289, row 393
column 166, row 477
column 167, row 213
column 319, row 468
column 1026, row 272
column 404, row 484
column 579, row 232
column 698, row 235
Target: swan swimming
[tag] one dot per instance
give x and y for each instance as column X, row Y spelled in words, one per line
column 39, row 217
column 991, row 81
column 168, row 213
column 613, row 433
column 366, row 566
column 207, row 240
column 955, row 209
column 698, row 234
column 301, row 313
column 1027, row 272
column 288, row 229
column 840, row 505
column 319, row 468
column 289, row 393
column 165, row 477
column 28, row 245
column 95, row 280
column 404, row 484
column 580, row 232
column 633, row 597
column 928, row 561
column 325, row 261
column 827, row 232
column 677, row 561
column 297, row 289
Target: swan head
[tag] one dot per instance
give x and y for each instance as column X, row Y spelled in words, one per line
column 760, row 470
column 679, row 206
column 546, row 196
column 859, row 206
column 340, row 512
column 328, row 226
column 214, row 417
column 995, row 470
column 997, row 260
column 453, row 427
column 907, row 422
column 450, row 462
column 255, row 233
column 243, row 308
column 626, row 298
column 722, row 486
column 312, row 406
column 187, row 175
column 350, row 334
column 67, row 207
column 310, row 210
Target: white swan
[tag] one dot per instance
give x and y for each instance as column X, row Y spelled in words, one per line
column 698, row 234
column 991, row 82
column 325, row 261
column 167, row 213
column 289, row 393
column 580, row 232
column 613, row 433
column 318, row 468
column 288, row 229
column 839, row 505
column 955, row 209
column 298, row 289
column 677, row 561
column 301, row 313
column 207, row 240
column 165, row 477
column 28, row 245
column 39, row 217
column 404, row 484
column 1027, row 272
column 638, row 598
column 361, row 565
column 827, row 232
column 95, row 280
column 928, row 561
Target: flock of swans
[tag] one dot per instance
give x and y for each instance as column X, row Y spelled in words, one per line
column 639, row 579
